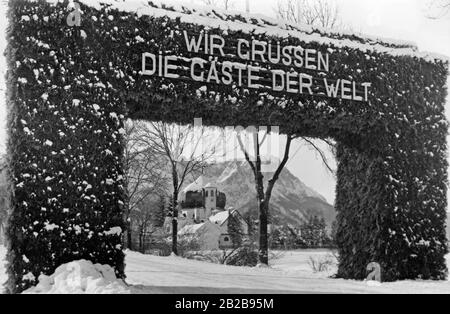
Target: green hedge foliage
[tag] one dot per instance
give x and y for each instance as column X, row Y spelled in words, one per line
column 70, row 89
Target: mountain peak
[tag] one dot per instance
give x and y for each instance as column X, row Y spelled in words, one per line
column 292, row 201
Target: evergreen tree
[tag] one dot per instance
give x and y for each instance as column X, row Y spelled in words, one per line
column 235, row 229
column 313, row 232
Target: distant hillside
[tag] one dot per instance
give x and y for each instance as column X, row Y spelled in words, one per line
column 292, row 201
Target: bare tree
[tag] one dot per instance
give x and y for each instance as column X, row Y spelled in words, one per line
column 438, row 8
column 144, row 175
column 323, row 13
column 228, row 4
column 181, row 148
column 314, row 144
column 225, row 4
column 147, row 218
column 264, row 195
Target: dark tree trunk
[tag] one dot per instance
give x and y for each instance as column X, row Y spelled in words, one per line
column 128, row 232
column 263, row 252
column 175, row 222
column 141, row 242
column 263, row 234
column 264, row 198
column 129, row 236
column 128, row 241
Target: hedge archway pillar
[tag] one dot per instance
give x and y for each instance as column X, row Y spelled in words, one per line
column 71, row 87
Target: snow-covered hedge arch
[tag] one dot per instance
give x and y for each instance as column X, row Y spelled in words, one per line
column 70, row 89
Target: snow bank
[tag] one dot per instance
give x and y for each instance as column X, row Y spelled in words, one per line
column 80, row 277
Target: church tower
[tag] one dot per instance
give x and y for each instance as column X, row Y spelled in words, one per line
column 210, row 199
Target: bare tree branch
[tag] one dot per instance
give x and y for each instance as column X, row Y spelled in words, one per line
column 320, row 152
column 264, row 195
column 179, row 147
column 246, row 154
column 321, row 13
column 225, row 4
column 280, row 168
column 143, row 175
column 437, row 9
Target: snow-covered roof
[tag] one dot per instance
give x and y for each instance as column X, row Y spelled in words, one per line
column 190, row 229
column 199, row 184
column 220, row 218
column 255, row 23
column 211, row 185
column 195, row 186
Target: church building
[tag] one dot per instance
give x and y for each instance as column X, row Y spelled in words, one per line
column 201, row 200
column 202, row 214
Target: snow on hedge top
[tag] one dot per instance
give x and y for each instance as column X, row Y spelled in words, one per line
column 211, row 17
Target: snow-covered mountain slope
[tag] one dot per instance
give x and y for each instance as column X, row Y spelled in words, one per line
column 292, row 201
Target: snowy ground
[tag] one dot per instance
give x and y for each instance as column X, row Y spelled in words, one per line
column 2, row 267
column 291, row 273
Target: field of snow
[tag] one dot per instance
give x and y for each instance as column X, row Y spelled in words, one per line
column 290, row 273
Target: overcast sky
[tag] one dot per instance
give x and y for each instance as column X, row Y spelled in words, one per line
column 398, row 19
